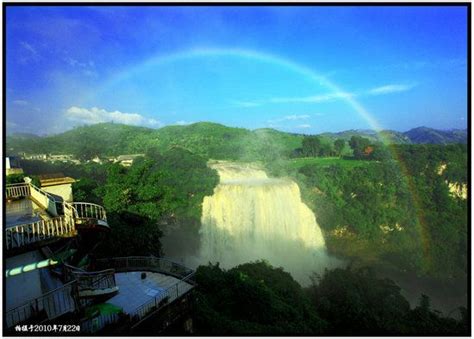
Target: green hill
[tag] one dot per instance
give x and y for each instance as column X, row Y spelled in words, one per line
column 388, row 136
column 425, row 135
column 103, row 139
column 210, row 140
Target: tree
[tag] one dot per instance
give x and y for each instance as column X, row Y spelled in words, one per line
column 165, row 187
column 252, row 299
column 339, row 146
column 359, row 146
column 311, row 146
column 380, row 152
column 325, row 150
column 131, row 234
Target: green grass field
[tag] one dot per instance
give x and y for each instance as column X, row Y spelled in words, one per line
column 326, row 161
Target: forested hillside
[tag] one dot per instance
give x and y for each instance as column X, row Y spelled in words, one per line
column 401, row 207
column 407, row 212
column 209, row 140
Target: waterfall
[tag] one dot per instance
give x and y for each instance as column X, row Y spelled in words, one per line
column 251, row 217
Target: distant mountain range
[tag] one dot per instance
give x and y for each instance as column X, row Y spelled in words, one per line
column 425, row 135
column 208, row 139
column 419, row 135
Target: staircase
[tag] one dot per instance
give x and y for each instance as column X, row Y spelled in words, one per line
column 92, row 284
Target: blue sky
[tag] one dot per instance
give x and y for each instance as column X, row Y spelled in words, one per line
column 296, row 69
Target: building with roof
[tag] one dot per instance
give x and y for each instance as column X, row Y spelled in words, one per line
column 127, row 159
column 12, row 165
column 50, row 279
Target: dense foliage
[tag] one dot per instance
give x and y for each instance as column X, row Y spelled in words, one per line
column 377, row 211
column 252, row 299
column 84, row 142
column 206, row 139
column 378, row 205
column 357, row 302
column 258, row 299
column 442, row 214
column 159, row 189
column 163, row 187
column 399, row 211
column 365, row 211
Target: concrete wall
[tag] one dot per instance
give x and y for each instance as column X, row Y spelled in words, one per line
column 23, row 287
column 64, row 191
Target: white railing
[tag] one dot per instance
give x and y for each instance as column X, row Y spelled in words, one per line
column 51, row 305
column 46, row 200
column 152, row 264
column 20, row 190
column 164, row 298
column 88, row 210
column 26, row 234
column 59, row 226
column 158, row 265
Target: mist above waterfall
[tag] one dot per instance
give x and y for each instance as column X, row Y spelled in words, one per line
column 251, row 216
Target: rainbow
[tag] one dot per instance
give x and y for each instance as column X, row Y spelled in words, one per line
column 297, row 68
column 271, row 59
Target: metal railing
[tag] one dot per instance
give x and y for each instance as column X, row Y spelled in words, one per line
column 20, row 190
column 91, row 281
column 47, row 307
column 26, row 234
column 158, row 265
column 89, row 211
column 152, row 264
column 59, row 226
column 97, row 323
column 164, row 298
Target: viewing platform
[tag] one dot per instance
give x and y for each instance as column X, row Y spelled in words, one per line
column 141, row 289
column 112, row 295
column 35, row 217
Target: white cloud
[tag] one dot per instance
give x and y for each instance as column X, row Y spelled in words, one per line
column 304, row 126
column 29, row 53
column 29, row 48
column 296, row 117
column 292, row 100
column 391, row 88
column 74, row 62
column 87, row 68
column 386, row 89
column 20, row 102
column 96, row 115
column 313, row 99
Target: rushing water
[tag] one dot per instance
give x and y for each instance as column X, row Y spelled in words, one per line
column 251, row 216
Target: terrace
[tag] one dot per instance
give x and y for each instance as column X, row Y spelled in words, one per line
column 42, row 287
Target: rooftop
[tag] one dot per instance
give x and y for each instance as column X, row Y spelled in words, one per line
column 135, row 292
column 20, row 212
column 55, row 179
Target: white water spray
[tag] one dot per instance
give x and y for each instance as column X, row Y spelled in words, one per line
column 252, row 217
